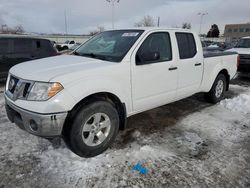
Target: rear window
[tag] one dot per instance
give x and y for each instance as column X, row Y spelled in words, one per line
column 22, row 45
column 4, row 46
column 43, row 45
column 186, row 45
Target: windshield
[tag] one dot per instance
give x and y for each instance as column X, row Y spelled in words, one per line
column 243, row 43
column 109, row 45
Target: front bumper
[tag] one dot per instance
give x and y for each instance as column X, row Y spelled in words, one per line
column 244, row 66
column 44, row 125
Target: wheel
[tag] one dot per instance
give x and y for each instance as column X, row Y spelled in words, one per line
column 94, row 129
column 218, row 89
column 65, row 48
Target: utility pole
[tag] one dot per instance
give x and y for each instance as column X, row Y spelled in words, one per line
column 158, row 21
column 201, row 14
column 65, row 22
column 113, row 4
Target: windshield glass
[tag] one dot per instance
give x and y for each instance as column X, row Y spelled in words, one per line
column 243, row 43
column 109, row 45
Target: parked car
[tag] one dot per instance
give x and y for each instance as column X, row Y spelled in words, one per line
column 14, row 50
column 86, row 97
column 210, row 48
column 66, row 45
column 71, row 49
column 243, row 49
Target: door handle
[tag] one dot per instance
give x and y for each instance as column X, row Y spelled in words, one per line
column 197, row 64
column 172, row 68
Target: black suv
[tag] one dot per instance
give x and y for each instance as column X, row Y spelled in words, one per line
column 14, row 50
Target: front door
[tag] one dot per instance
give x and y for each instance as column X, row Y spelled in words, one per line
column 154, row 72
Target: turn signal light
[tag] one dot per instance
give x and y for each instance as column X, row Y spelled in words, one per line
column 55, row 88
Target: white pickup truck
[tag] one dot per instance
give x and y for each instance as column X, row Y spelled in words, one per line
column 87, row 96
column 66, row 45
column 243, row 49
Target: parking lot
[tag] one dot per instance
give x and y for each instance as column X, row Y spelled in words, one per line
column 184, row 144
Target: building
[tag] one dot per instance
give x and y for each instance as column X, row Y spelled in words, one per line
column 233, row 32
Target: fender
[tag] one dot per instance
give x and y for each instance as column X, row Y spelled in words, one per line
column 89, row 86
column 210, row 75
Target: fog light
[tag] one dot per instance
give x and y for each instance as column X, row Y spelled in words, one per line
column 33, row 125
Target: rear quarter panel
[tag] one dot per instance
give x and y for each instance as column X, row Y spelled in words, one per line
column 212, row 67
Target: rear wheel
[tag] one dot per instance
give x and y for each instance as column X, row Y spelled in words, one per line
column 94, row 129
column 218, row 89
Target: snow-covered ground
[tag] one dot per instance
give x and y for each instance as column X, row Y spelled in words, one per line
column 189, row 143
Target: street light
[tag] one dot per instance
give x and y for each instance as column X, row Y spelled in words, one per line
column 202, row 14
column 113, row 3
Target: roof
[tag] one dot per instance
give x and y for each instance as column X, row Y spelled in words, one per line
column 8, row 36
column 246, row 37
column 153, row 29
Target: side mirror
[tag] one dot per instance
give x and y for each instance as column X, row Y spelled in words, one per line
column 147, row 58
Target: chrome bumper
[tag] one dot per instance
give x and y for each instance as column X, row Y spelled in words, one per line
column 44, row 125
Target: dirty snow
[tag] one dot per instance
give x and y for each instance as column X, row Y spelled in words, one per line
column 189, row 143
column 238, row 104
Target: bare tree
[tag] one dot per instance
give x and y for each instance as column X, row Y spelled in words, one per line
column 19, row 29
column 186, row 25
column 9, row 30
column 98, row 30
column 147, row 21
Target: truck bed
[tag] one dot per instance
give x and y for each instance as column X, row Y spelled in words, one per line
column 208, row 54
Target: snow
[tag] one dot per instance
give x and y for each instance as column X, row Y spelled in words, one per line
column 238, row 104
column 185, row 144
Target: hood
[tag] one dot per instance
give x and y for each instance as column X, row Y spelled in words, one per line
column 48, row 68
column 240, row 50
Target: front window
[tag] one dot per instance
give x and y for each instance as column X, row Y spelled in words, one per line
column 243, row 43
column 109, row 45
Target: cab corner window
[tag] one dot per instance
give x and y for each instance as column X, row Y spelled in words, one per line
column 156, row 48
column 186, row 45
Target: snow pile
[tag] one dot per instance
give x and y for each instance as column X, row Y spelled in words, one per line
column 238, row 104
column 209, row 146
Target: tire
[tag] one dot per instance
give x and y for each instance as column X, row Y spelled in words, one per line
column 216, row 94
column 94, row 129
column 65, row 48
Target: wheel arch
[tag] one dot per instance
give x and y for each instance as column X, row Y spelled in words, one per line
column 106, row 96
column 226, row 74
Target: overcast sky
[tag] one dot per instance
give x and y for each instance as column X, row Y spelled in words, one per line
column 47, row 16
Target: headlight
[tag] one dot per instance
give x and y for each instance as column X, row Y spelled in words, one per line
column 41, row 91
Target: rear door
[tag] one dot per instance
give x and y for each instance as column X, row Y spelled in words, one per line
column 190, row 64
column 4, row 58
column 42, row 48
column 154, row 83
column 21, row 50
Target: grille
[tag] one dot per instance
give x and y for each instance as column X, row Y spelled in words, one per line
column 245, row 57
column 18, row 88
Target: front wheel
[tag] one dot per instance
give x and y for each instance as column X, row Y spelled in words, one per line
column 218, row 89
column 94, row 129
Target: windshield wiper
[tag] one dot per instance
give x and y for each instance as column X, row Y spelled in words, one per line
column 76, row 53
column 94, row 56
